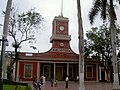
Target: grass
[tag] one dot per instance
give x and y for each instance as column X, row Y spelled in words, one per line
column 15, row 85
column 19, row 87
column 8, row 87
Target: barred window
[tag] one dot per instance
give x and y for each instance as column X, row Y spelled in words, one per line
column 89, row 71
column 28, row 68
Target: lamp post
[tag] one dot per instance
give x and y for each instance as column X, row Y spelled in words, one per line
column 3, row 40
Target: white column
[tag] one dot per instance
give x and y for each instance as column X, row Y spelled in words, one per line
column 97, row 73
column 54, row 71
column 38, row 71
column 17, row 75
column 100, row 73
column 105, row 76
column 68, row 69
column 5, row 68
column 14, row 66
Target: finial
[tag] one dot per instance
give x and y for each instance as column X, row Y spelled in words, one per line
column 61, row 8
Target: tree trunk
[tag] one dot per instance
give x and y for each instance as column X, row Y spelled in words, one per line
column 81, row 48
column 114, row 57
column 114, row 43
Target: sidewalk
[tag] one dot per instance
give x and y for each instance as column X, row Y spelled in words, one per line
column 75, row 86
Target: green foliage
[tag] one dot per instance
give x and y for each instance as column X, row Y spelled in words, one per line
column 87, row 50
column 104, row 8
column 99, row 44
column 22, row 27
column 28, row 20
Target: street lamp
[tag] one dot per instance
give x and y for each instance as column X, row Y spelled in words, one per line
column 3, row 40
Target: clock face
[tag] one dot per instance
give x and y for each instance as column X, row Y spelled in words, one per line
column 61, row 44
column 62, row 28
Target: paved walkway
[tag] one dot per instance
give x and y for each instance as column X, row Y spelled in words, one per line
column 75, row 86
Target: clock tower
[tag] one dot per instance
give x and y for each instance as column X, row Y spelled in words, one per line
column 60, row 37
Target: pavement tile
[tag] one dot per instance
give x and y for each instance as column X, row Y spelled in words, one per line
column 75, row 86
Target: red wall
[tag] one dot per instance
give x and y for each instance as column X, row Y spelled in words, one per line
column 34, row 73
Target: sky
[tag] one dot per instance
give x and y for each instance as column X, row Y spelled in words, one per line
column 49, row 9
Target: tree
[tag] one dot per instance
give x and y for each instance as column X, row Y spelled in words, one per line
column 99, row 44
column 81, row 47
column 22, row 28
column 107, row 11
column 87, row 50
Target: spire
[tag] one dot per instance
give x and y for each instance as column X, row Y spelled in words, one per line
column 62, row 8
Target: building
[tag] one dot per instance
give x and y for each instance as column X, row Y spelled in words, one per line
column 59, row 61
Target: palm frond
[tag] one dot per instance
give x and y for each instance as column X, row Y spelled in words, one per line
column 94, row 11
column 103, row 12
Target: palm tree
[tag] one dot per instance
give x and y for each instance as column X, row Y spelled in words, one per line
column 81, row 47
column 107, row 12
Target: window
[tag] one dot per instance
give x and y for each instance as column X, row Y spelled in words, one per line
column 89, row 71
column 28, row 68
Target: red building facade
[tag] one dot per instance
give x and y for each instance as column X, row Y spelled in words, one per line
column 59, row 61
